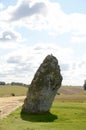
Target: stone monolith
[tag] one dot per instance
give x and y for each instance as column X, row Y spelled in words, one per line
column 43, row 87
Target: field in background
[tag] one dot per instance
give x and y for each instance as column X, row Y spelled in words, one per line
column 65, row 93
column 6, row 91
column 70, row 90
column 71, row 94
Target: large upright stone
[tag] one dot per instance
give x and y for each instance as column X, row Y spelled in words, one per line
column 44, row 86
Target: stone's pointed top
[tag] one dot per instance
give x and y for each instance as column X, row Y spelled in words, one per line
column 50, row 58
column 44, row 86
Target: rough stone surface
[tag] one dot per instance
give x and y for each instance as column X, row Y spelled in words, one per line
column 44, row 86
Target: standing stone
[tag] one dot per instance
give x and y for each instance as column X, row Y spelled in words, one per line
column 44, row 86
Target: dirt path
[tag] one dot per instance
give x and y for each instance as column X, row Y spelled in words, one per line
column 9, row 104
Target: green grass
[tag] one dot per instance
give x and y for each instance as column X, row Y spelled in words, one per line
column 63, row 116
column 9, row 90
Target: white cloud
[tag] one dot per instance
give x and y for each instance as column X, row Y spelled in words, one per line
column 24, row 9
column 8, row 35
column 78, row 39
column 21, row 64
column 77, row 22
column 8, row 46
column 65, row 67
column 44, row 15
column 76, row 73
column 24, row 61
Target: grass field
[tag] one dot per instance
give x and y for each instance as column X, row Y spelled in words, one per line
column 68, row 112
column 63, row 116
column 10, row 90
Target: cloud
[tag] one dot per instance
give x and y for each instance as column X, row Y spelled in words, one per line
column 6, row 36
column 64, row 67
column 14, row 59
column 43, row 15
column 55, row 21
column 78, row 39
column 76, row 73
column 24, row 9
column 23, row 62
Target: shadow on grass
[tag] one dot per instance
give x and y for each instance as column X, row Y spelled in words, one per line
column 46, row 117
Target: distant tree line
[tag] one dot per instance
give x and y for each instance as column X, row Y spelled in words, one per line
column 17, row 84
column 13, row 84
column 2, row 83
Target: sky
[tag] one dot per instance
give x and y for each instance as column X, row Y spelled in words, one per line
column 32, row 29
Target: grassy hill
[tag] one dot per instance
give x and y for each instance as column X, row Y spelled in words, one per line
column 71, row 94
column 9, row 90
column 70, row 90
column 6, row 91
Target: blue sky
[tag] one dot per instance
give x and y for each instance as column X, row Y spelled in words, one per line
column 32, row 29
